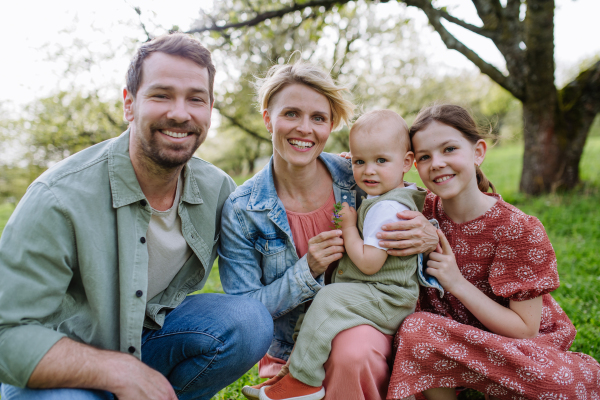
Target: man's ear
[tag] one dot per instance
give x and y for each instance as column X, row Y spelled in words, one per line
column 128, row 105
column 409, row 158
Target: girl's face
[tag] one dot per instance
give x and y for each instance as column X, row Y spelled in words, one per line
column 446, row 159
column 299, row 119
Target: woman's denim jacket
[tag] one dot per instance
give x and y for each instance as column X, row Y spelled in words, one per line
column 257, row 255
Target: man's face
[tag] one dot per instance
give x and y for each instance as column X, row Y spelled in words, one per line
column 170, row 114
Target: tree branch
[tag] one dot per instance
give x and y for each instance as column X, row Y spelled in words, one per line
column 583, row 92
column 452, row 43
column 235, row 122
column 480, row 30
column 139, row 13
column 270, row 15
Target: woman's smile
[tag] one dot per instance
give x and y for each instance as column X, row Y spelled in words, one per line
column 301, row 145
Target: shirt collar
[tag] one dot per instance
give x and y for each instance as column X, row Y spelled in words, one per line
column 124, row 186
column 264, row 196
column 407, row 185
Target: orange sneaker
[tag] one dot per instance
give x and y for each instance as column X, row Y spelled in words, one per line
column 290, row 388
column 252, row 392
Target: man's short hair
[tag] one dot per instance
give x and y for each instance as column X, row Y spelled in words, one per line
column 175, row 44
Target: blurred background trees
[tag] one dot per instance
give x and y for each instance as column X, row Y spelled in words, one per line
column 373, row 48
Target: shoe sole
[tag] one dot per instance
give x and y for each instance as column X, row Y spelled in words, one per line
column 251, row 393
column 315, row 396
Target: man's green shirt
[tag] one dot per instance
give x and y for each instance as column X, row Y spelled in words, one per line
column 74, row 259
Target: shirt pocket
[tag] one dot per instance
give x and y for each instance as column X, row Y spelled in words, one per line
column 273, row 257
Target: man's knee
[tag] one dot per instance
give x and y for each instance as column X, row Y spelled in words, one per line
column 245, row 325
column 253, row 326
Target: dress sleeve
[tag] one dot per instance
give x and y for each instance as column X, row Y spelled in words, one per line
column 429, row 205
column 524, row 265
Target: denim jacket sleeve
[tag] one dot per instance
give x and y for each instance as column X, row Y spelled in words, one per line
column 244, row 270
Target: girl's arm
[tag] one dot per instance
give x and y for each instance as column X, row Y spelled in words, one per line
column 521, row 320
column 367, row 258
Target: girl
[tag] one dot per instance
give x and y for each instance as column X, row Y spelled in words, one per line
column 497, row 329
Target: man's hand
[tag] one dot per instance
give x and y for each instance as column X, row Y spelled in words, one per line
column 413, row 235
column 348, row 217
column 324, row 249
column 71, row 364
column 138, row 381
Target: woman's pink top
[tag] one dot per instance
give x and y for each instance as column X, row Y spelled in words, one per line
column 305, row 226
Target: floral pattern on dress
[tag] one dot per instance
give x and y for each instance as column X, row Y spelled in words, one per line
column 507, row 255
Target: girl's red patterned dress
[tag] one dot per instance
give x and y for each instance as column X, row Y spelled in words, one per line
column 507, row 255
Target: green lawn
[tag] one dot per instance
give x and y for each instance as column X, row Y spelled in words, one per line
column 572, row 221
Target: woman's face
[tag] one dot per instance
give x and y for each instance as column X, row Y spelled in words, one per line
column 299, row 118
column 446, row 159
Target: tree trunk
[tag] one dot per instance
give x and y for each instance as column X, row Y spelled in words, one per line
column 553, row 148
column 542, row 155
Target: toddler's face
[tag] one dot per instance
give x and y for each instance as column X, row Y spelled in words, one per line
column 379, row 159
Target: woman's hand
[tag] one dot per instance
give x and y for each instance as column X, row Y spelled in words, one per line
column 348, row 217
column 413, row 235
column 442, row 265
column 324, row 249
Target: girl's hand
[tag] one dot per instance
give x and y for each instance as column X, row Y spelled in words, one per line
column 442, row 265
column 324, row 249
column 348, row 216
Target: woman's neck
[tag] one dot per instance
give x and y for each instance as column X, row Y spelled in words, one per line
column 301, row 189
column 468, row 205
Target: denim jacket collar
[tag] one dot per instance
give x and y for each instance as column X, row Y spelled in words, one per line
column 264, row 196
column 124, row 186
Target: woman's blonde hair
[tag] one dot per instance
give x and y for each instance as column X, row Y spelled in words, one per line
column 280, row 76
column 459, row 119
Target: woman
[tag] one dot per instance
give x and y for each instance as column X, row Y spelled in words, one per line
column 277, row 240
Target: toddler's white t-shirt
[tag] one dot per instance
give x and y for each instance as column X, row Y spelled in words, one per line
column 380, row 214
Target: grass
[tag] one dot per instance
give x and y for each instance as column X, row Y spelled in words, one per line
column 572, row 221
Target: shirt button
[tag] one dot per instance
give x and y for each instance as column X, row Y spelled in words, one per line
column 139, row 293
column 131, row 349
column 340, row 272
column 143, row 203
column 143, row 239
column 345, row 197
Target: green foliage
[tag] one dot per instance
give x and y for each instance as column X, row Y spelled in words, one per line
column 337, row 218
column 52, row 129
column 67, row 122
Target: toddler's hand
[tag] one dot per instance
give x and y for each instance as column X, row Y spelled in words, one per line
column 346, row 154
column 442, row 265
column 348, row 216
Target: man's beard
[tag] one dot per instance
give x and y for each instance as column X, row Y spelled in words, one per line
column 179, row 154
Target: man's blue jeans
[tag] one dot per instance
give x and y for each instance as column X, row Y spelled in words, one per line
column 206, row 343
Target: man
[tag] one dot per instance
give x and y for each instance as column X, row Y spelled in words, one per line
column 98, row 258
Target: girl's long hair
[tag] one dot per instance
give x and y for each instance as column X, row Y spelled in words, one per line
column 459, row 119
